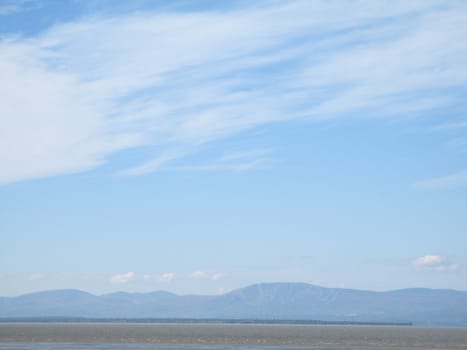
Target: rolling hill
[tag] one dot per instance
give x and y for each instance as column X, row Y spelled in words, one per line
column 267, row 301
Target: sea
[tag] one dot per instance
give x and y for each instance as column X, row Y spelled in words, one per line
column 127, row 336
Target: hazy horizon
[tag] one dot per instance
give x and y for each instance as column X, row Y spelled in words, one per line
column 202, row 146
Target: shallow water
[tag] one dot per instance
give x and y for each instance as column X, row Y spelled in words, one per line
column 106, row 336
column 150, row 346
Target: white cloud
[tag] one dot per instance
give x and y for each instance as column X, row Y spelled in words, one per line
column 166, row 277
column 173, row 82
column 36, row 276
column 450, row 267
column 146, row 277
column 436, row 262
column 198, row 275
column 456, row 180
column 122, row 278
column 429, row 260
column 217, row 276
column 205, row 275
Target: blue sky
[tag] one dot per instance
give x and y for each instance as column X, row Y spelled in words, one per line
column 201, row 146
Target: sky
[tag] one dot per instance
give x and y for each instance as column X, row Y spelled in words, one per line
column 202, row 146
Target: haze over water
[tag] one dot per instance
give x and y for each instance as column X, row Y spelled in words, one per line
column 220, row 336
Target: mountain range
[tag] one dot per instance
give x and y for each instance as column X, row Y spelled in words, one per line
column 267, row 301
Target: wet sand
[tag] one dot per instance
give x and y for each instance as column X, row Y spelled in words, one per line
column 276, row 335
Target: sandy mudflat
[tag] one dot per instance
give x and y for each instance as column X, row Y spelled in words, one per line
column 281, row 335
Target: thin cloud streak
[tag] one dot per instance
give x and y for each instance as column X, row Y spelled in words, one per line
column 232, row 162
column 456, row 180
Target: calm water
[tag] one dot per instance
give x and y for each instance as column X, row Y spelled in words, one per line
column 93, row 336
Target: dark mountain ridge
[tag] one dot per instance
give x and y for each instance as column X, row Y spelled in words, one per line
column 267, row 301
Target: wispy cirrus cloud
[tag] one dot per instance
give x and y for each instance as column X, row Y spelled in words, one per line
column 233, row 162
column 452, row 181
column 77, row 93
